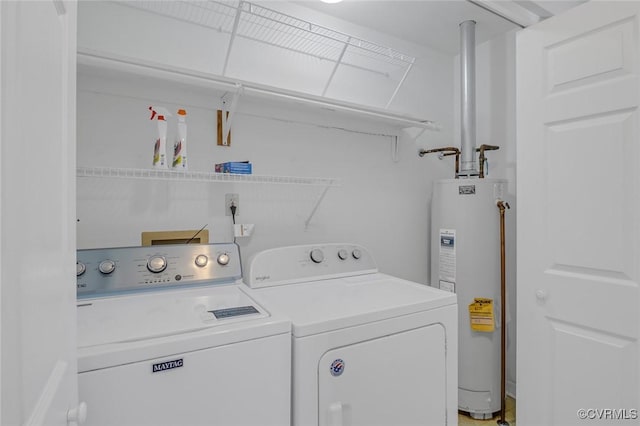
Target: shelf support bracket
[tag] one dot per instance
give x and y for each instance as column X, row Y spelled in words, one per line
column 315, row 208
column 395, row 149
column 414, row 132
column 232, row 38
column 228, row 112
column 335, row 67
column 395, row 92
column 415, row 136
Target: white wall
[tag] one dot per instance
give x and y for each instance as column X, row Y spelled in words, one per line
column 382, row 204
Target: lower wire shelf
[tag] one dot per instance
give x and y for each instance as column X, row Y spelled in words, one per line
column 192, row 176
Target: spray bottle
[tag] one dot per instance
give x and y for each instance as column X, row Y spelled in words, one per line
column 160, row 114
column 180, row 145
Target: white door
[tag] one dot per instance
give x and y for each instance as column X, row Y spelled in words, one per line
column 37, row 212
column 579, row 217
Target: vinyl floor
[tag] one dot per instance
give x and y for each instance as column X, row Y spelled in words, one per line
column 510, row 417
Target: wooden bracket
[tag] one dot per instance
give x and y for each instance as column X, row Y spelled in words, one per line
column 225, row 120
column 221, row 142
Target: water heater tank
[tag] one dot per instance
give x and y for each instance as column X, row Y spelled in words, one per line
column 465, row 259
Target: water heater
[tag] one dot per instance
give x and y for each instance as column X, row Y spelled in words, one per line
column 465, row 259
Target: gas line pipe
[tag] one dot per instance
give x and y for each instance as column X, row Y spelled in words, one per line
column 502, row 206
column 450, row 150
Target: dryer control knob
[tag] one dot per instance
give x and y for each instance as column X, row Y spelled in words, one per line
column 317, row 255
column 357, row 254
column 223, row 259
column 107, row 266
column 156, row 264
column 202, row 260
column 343, row 254
column 80, row 268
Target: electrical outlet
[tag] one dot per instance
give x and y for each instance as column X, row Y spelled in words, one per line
column 231, row 199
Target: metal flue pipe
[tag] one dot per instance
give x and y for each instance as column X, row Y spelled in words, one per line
column 468, row 98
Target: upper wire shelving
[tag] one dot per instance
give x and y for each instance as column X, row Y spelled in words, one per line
column 250, row 21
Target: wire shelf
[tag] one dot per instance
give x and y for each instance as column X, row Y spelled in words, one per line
column 263, row 25
column 188, row 176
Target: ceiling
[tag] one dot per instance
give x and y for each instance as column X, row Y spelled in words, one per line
column 434, row 23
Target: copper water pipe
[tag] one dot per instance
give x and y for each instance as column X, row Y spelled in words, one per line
column 457, row 154
column 503, row 324
column 481, row 150
column 446, row 151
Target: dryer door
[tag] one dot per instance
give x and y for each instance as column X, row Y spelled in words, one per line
column 393, row 380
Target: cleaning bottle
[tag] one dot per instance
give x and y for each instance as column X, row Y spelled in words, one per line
column 180, row 146
column 160, row 114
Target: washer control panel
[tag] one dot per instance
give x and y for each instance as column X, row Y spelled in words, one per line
column 103, row 272
column 294, row 264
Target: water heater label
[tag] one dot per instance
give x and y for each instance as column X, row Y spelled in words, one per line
column 466, row 189
column 447, row 286
column 481, row 316
column 447, row 259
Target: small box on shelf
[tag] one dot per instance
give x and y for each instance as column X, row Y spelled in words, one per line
column 239, row 167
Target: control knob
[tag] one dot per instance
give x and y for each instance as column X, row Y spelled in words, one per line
column 342, row 254
column 106, row 267
column 80, row 268
column 223, row 259
column 316, row 255
column 356, row 253
column 156, row 264
column 202, row 260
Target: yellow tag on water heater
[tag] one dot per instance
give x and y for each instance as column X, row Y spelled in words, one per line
column 481, row 315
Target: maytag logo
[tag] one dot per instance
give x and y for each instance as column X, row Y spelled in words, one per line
column 168, row 365
column 263, row 278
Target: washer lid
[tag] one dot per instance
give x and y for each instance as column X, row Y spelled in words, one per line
column 327, row 305
column 151, row 315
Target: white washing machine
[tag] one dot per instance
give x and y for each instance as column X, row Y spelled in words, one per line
column 169, row 336
column 368, row 348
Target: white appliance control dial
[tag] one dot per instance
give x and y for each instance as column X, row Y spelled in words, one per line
column 107, row 266
column 317, row 255
column 223, row 259
column 112, row 270
column 342, row 254
column 157, row 264
column 202, row 260
column 356, row 253
column 80, row 268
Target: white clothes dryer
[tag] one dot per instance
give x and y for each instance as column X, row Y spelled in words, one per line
column 368, row 348
column 168, row 336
